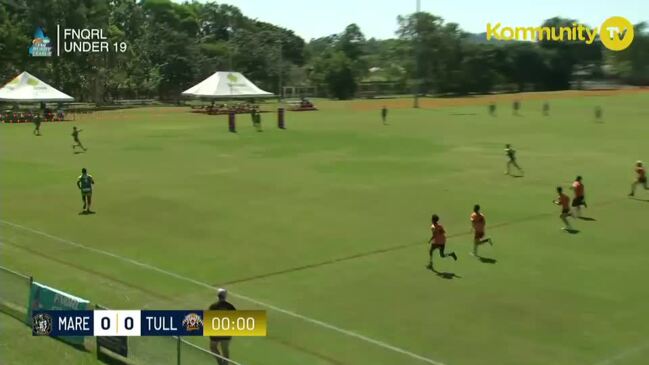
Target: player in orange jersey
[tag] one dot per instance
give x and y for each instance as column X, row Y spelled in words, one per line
column 438, row 241
column 580, row 198
column 564, row 201
column 642, row 178
column 478, row 223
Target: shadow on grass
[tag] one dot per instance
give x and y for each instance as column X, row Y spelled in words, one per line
column 444, row 275
column 78, row 152
column 572, row 230
column 487, row 260
column 590, row 219
column 87, row 212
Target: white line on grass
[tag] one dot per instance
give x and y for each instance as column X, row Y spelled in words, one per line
column 624, row 354
column 240, row 296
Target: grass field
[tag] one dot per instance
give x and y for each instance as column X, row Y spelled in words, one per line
column 325, row 225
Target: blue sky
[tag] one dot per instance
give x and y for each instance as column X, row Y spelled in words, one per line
column 377, row 18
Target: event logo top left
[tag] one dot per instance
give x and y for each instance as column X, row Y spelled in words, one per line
column 40, row 44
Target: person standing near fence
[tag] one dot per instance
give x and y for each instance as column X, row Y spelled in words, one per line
column 220, row 345
column 36, row 119
column 257, row 121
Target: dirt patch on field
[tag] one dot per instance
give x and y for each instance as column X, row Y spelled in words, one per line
column 426, row 102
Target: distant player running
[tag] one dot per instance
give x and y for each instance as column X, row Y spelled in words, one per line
column 75, row 136
column 580, row 198
column 564, row 201
column 85, row 183
column 598, row 113
column 642, row 178
column 478, row 223
column 438, row 241
column 511, row 155
column 384, row 115
column 516, row 106
column 546, row 109
column 492, row 109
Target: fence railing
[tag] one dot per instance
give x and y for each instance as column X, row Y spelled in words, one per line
column 158, row 350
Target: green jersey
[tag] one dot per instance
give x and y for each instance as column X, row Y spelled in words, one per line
column 511, row 153
column 85, row 183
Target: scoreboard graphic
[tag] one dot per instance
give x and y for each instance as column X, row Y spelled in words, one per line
column 107, row 323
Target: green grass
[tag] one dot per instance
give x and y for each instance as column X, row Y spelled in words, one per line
column 330, row 218
column 17, row 346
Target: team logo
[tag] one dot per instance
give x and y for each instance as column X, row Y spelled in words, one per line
column 192, row 322
column 40, row 45
column 41, row 324
column 616, row 33
column 234, row 81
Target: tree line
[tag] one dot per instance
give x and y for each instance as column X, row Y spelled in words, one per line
column 172, row 46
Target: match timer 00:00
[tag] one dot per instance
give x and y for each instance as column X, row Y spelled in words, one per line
column 235, row 323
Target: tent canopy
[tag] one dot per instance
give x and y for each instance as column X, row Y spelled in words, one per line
column 27, row 88
column 223, row 84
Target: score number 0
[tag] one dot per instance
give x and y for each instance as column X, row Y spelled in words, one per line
column 116, row 323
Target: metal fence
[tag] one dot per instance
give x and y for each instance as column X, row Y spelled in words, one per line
column 14, row 295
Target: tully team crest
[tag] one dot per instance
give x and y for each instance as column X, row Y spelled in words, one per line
column 192, row 322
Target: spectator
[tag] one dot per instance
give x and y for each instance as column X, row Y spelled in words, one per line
column 220, row 345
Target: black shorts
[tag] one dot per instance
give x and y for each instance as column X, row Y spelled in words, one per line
column 579, row 201
column 565, row 211
column 642, row 180
column 441, row 248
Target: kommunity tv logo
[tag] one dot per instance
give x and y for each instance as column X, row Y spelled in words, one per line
column 615, row 33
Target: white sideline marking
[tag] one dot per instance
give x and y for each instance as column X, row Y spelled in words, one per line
column 624, row 354
column 243, row 297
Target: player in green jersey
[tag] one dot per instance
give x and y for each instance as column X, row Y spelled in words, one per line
column 85, row 183
column 75, row 136
column 511, row 155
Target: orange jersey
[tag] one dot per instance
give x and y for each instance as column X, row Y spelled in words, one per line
column 564, row 201
column 578, row 187
column 641, row 172
column 478, row 221
column 439, row 234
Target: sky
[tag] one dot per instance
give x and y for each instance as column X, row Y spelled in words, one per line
column 377, row 18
